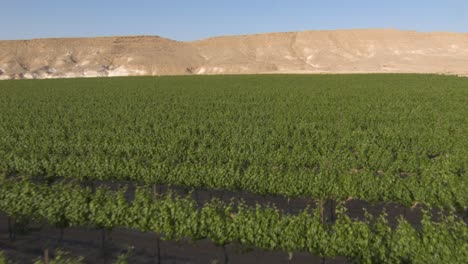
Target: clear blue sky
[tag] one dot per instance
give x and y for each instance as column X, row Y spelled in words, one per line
column 191, row 20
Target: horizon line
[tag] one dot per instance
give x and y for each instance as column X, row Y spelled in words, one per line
column 237, row 35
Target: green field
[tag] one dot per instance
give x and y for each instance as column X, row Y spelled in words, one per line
column 400, row 138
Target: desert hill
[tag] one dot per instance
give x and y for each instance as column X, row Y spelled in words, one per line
column 338, row 51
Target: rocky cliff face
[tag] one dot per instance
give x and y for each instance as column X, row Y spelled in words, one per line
column 341, row 51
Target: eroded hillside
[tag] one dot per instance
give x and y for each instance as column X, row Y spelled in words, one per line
column 340, row 51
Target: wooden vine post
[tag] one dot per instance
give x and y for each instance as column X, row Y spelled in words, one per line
column 11, row 229
column 46, row 256
column 322, row 216
column 157, row 258
column 226, row 257
column 332, row 205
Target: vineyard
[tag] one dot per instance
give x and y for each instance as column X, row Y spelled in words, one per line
column 96, row 153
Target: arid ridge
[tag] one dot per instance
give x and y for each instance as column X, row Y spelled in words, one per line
column 338, row 51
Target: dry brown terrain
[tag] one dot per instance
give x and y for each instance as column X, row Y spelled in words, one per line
column 340, row 51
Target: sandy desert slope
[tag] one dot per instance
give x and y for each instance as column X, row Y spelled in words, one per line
column 339, row 51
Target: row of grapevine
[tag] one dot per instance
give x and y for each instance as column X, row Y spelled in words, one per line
column 401, row 138
column 173, row 217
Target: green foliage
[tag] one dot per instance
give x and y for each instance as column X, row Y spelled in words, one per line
column 401, row 138
column 62, row 257
column 398, row 138
column 173, row 217
column 123, row 258
column 3, row 259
